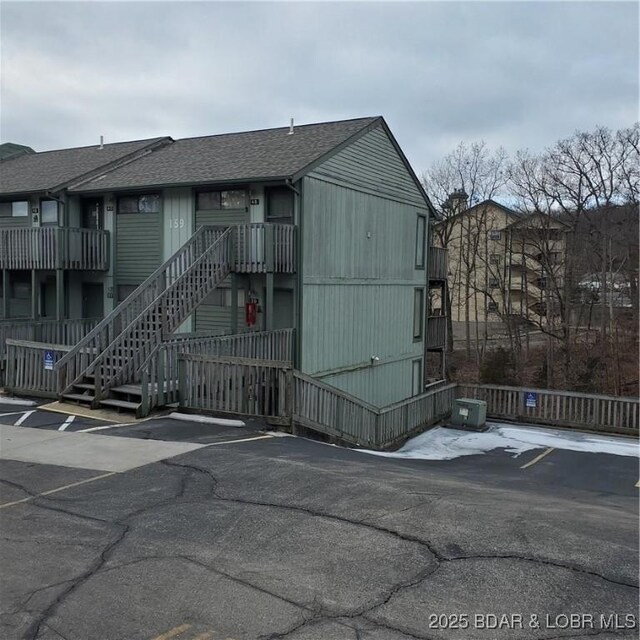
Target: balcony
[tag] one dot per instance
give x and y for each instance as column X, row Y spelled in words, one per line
column 436, row 337
column 437, row 263
column 54, row 248
column 264, row 248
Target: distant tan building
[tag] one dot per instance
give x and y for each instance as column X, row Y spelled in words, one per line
column 503, row 265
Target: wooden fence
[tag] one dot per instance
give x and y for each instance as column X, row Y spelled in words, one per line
column 240, row 386
column 159, row 372
column 28, row 373
column 53, row 332
column 54, row 248
column 323, row 408
column 291, row 397
column 562, row 408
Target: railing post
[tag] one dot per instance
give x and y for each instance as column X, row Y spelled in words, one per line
column 144, row 399
column 182, row 382
column 269, row 248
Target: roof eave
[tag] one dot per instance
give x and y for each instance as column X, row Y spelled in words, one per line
column 171, row 185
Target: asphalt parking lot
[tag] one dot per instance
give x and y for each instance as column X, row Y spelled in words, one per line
column 250, row 536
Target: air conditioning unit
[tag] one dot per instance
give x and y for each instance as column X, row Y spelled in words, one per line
column 469, row 413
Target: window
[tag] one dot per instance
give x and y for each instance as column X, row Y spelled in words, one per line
column 149, row 203
column 493, row 283
column 48, row 212
column 418, row 311
column 216, row 200
column 492, row 307
column 494, row 258
column 17, row 209
column 416, row 377
column 494, row 235
column 421, row 230
column 279, row 203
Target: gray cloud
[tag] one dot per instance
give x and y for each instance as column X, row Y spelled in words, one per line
column 516, row 74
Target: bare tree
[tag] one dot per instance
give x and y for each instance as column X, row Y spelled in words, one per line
column 577, row 180
column 479, row 173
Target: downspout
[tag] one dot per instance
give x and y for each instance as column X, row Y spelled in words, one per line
column 297, row 356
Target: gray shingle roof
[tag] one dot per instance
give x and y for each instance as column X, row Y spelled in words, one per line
column 268, row 153
column 49, row 169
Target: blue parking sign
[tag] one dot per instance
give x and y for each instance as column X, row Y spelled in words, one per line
column 49, row 359
column 531, row 399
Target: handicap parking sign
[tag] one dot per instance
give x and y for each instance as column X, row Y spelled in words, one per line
column 531, row 399
column 49, row 359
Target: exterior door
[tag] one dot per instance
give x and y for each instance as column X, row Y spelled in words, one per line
column 92, row 214
column 92, row 300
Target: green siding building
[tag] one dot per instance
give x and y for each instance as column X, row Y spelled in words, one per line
column 80, row 229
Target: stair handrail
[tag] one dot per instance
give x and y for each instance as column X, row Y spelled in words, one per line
column 161, row 273
column 225, row 236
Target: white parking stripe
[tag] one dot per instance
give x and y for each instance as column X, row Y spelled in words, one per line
column 22, row 418
column 66, row 423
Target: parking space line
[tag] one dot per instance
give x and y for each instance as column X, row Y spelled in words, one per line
column 538, row 458
column 66, row 423
column 13, row 413
column 25, row 415
column 215, row 444
column 172, row 633
column 66, row 486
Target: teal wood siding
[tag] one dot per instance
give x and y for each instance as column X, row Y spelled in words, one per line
column 372, row 163
column 359, row 279
column 214, row 318
column 210, row 317
column 138, row 246
column 177, row 210
column 380, row 385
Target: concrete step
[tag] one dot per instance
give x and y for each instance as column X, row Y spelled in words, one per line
column 120, row 404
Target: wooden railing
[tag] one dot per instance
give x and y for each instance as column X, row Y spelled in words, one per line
column 159, row 372
column 54, row 248
column 237, row 386
column 437, row 263
column 403, row 419
column 107, row 332
column 326, row 409
column 51, row 332
column 118, row 363
column 436, row 336
column 27, row 371
column 264, row 247
column 216, row 384
column 562, row 408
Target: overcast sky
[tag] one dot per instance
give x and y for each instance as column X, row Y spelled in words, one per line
column 514, row 74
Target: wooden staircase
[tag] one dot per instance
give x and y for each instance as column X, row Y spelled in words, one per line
column 104, row 367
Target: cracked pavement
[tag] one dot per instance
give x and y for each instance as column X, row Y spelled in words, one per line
column 288, row 538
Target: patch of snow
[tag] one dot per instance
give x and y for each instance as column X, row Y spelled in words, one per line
column 19, row 402
column 446, row 444
column 192, row 417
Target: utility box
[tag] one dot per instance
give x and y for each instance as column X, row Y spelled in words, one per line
column 469, row 413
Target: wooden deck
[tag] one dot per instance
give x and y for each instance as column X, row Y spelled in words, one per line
column 54, row 248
